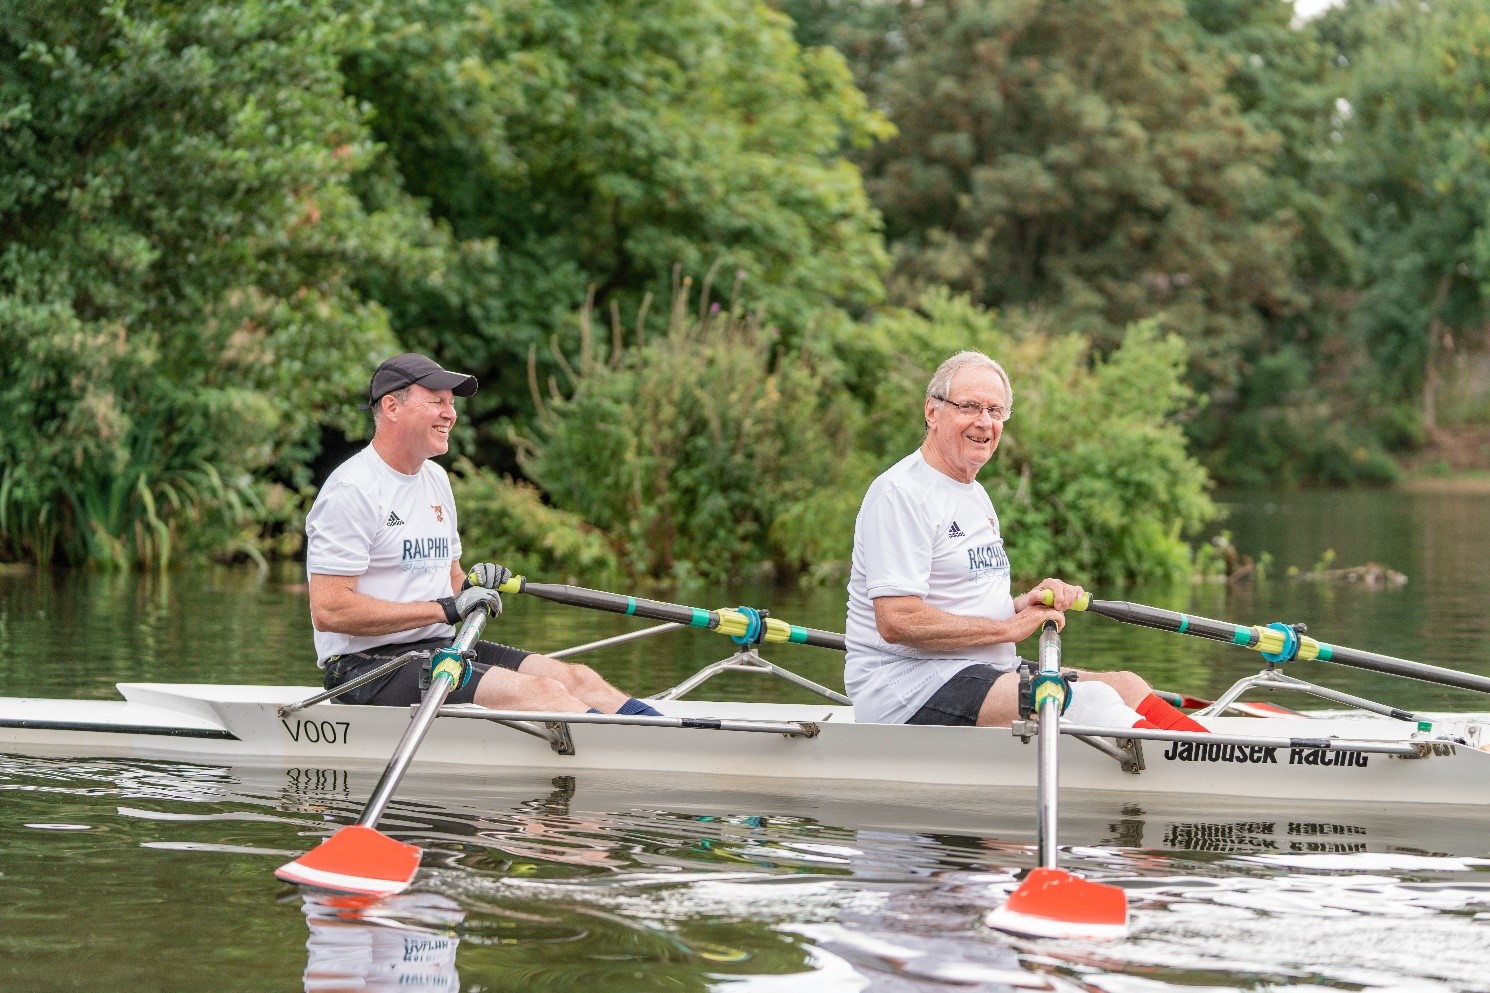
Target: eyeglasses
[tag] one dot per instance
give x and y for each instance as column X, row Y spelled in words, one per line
column 972, row 409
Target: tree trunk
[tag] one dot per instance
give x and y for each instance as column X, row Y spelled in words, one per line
column 1430, row 373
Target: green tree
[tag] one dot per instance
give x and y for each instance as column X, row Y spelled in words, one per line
column 177, row 309
column 1299, row 413
column 1415, row 164
column 600, row 145
column 1076, row 159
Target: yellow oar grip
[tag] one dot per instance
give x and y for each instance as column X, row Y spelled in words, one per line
column 1269, row 640
column 1047, row 597
column 732, row 622
column 778, row 630
column 514, row 584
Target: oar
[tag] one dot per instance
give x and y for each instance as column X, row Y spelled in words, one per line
column 1278, row 643
column 359, row 858
column 743, row 623
column 726, row 621
column 1052, row 902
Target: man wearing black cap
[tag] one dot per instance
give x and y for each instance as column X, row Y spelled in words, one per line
column 383, row 557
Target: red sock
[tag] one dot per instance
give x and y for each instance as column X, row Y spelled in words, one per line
column 1165, row 716
column 1146, row 724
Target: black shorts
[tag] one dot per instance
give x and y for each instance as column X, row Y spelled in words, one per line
column 400, row 688
column 960, row 698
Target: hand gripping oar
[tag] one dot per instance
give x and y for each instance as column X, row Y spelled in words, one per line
column 1051, row 902
column 1278, row 643
column 740, row 624
column 359, row 858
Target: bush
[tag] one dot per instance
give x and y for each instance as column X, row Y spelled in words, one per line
column 507, row 522
column 111, row 464
column 1289, row 431
column 685, row 450
column 708, row 454
column 1092, row 479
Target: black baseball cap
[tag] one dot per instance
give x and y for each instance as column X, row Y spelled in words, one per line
column 410, row 368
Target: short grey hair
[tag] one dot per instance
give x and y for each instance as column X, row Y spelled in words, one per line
column 401, row 396
column 941, row 380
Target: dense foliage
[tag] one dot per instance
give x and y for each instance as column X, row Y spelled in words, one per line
column 1078, row 159
column 176, row 307
column 1092, row 477
column 599, row 145
column 686, row 448
column 1196, row 231
column 1415, row 162
column 1295, row 415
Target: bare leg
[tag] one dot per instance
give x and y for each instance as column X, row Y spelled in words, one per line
column 579, row 681
column 1130, row 686
column 1001, row 706
column 503, row 689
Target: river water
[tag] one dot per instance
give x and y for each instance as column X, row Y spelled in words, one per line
column 149, row 875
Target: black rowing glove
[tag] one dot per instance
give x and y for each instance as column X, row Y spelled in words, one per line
column 457, row 608
column 489, row 575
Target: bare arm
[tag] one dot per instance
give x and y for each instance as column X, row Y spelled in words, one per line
column 335, row 605
column 910, row 620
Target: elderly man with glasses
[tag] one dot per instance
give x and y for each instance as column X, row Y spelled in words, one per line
column 932, row 623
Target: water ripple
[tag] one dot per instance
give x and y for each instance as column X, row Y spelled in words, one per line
column 751, row 891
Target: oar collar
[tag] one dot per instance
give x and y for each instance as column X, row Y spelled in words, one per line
column 755, row 626
column 1289, row 649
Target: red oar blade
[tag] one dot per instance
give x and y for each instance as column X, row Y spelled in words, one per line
column 356, row 859
column 1053, row 903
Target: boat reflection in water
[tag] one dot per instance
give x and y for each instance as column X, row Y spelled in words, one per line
column 379, row 945
column 635, row 883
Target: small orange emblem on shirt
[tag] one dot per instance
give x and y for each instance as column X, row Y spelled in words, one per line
column 439, row 511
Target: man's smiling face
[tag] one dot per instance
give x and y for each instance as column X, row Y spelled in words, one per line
column 424, row 421
column 957, row 443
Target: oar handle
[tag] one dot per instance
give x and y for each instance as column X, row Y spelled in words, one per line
column 735, row 623
column 1047, row 597
column 1277, row 643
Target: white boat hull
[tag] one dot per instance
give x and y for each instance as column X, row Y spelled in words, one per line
column 240, row 725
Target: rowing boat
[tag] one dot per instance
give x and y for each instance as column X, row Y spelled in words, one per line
column 1345, row 758
column 1359, row 755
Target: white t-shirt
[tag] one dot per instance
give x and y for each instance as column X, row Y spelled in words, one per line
column 395, row 532
column 921, row 533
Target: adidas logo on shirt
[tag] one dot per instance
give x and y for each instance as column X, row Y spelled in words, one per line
column 394, row 520
column 954, row 531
